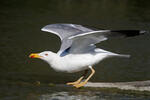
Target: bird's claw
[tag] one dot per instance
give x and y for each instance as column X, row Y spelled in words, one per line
column 80, row 84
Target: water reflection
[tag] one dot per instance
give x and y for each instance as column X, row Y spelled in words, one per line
column 88, row 96
column 27, row 91
column 66, row 96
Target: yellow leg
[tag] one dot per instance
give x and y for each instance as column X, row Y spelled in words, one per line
column 79, row 80
column 83, row 83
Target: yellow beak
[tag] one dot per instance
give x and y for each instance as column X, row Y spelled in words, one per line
column 34, row 55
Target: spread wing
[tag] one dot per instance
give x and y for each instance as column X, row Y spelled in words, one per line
column 85, row 41
column 78, row 39
column 64, row 31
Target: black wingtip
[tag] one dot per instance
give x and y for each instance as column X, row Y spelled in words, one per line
column 130, row 33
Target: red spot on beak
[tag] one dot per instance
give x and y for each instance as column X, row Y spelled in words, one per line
column 32, row 56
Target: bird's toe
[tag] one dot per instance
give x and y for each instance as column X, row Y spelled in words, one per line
column 80, row 84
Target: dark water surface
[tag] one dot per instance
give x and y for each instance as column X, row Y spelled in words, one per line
column 20, row 24
column 25, row 91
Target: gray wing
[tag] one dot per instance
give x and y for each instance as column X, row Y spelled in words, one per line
column 64, row 31
column 80, row 39
column 85, row 41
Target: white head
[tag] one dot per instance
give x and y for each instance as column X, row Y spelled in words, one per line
column 47, row 56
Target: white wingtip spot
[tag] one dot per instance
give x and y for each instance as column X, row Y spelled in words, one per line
column 142, row 32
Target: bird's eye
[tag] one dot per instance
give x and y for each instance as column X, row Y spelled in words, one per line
column 46, row 54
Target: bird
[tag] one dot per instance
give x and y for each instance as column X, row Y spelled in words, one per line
column 78, row 51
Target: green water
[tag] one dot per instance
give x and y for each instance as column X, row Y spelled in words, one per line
column 21, row 21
